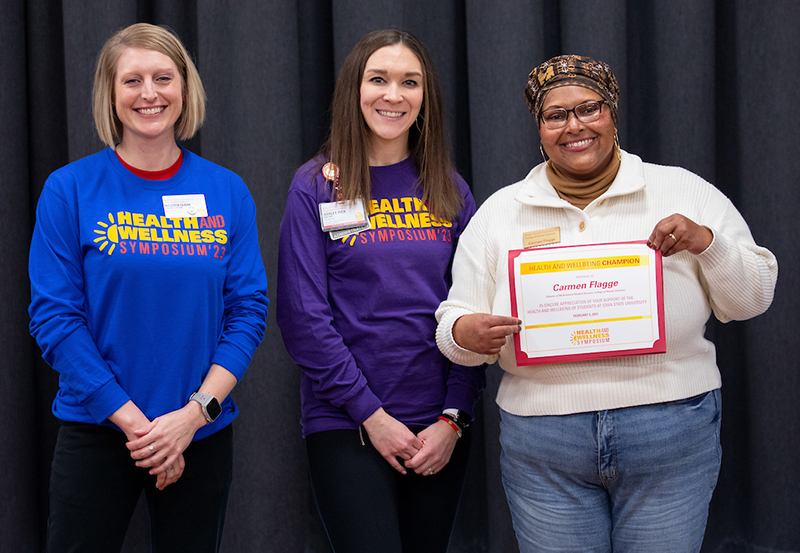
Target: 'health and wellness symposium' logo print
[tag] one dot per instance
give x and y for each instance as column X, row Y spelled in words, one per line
column 401, row 219
column 590, row 336
column 175, row 236
column 110, row 234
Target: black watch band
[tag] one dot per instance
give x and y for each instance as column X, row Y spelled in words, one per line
column 461, row 418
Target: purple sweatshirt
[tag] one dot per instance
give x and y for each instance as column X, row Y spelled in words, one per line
column 357, row 314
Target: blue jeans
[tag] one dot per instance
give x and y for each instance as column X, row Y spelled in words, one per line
column 634, row 479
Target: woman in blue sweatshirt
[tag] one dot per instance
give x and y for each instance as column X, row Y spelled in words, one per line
column 382, row 409
column 149, row 299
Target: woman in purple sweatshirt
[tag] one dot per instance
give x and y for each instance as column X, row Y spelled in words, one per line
column 382, row 409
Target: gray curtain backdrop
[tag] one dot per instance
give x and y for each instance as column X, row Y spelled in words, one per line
column 709, row 85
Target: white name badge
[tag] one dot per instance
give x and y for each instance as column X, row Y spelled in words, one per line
column 185, row 205
column 339, row 234
column 342, row 215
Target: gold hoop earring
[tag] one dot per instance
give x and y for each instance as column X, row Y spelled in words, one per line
column 416, row 122
column 541, row 150
column 616, row 143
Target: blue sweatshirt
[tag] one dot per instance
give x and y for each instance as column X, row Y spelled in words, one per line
column 130, row 305
column 357, row 314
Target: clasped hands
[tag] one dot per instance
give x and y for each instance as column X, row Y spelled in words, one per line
column 426, row 453
column 158, row 445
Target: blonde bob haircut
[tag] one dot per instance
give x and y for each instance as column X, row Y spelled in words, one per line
column 150, row 37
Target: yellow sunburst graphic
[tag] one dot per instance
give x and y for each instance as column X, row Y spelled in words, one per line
column 110, row 234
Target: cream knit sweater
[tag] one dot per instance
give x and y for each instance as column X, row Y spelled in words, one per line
column 733, row 277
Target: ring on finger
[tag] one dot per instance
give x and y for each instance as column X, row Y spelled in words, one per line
column 673, row 237
column 429, row 471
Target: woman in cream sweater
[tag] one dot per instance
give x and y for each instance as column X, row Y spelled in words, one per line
column 615, row 454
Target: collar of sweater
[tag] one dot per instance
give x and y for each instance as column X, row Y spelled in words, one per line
column 536, row 189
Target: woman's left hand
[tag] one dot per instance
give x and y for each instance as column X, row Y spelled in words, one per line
column 676, row 233
column 171, row 475
column 438, row 442
column 162, row 441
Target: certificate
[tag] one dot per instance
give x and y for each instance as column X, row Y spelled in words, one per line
column 579, row 303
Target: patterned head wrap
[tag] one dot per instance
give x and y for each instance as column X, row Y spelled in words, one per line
column 571, row 70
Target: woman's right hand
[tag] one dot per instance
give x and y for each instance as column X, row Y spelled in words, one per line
column 129, row 418
column 484, row 333
column 391, row 438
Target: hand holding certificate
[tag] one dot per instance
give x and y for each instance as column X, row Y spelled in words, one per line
column 484, row 333
column 579, row 303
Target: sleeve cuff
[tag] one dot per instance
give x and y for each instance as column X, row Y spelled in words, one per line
column 449, row 347
column 107, row 399
column 716, row 252
column 363, row 405
column 461, row 397
column 233, row 359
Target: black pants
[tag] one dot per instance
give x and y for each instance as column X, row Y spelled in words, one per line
column 368, row 507
column 94, row 488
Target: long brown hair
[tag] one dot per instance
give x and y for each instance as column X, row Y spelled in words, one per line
column 347, row 143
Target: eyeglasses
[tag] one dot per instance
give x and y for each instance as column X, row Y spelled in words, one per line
column 555, row 118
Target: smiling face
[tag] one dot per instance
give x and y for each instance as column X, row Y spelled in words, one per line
column 581, row 150
column 391, row 97
column 147, row 95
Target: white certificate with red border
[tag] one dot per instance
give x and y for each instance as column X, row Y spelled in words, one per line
column 579, row 303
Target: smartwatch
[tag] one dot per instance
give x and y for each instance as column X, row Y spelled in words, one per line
column 209, row 403
column 461, row 418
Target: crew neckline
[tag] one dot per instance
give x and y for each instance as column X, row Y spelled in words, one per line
column 148, row 184
column 163, row 174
